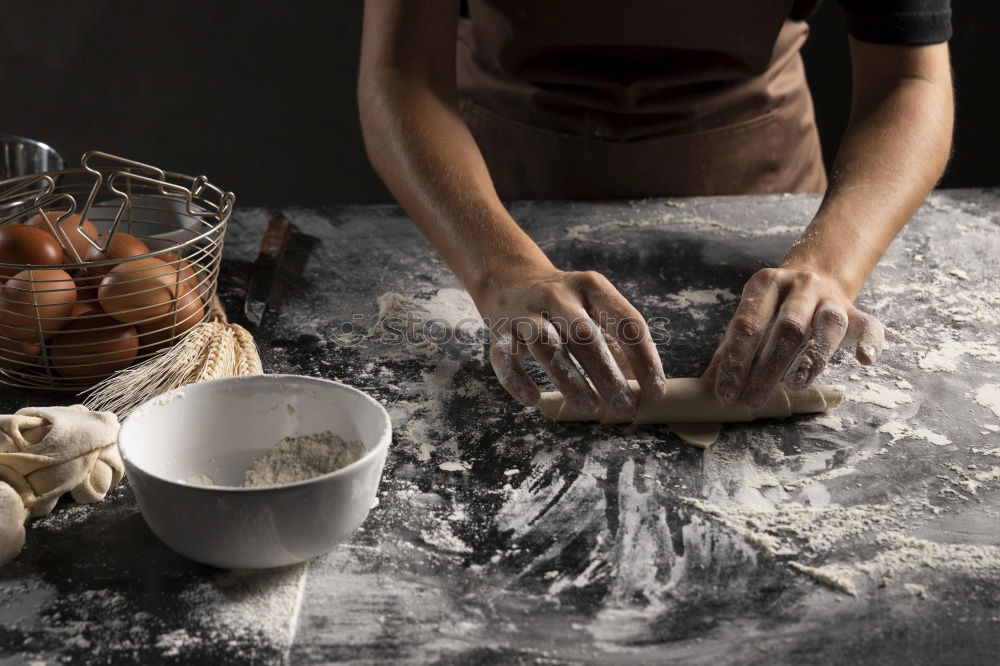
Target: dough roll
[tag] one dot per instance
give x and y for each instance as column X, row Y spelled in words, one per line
column 692, row 400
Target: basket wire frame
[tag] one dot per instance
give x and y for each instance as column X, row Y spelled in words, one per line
column 53, row 336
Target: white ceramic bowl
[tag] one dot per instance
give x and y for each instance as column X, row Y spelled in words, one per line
column 218, row 428
column 162, row 222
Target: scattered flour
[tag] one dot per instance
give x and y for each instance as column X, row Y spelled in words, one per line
column 992, row 474
column 685, row 299
column 907, row 553
column 583, row 232
column 441, row 536
column 989, row 396
column 834, row 473
column 300, row 458
column 174, row 642
column 410, row 328
column 793, row 528
column 899, row 430
column 259, row 604
column 946, row 357
column 454, row 308
column 932, row 437
column 835, row 576
column 831, row 421
column 882, row 396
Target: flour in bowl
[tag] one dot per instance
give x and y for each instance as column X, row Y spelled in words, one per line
column 300, row 458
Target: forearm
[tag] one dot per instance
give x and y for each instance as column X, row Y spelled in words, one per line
column 424, row 152
column 893, row 152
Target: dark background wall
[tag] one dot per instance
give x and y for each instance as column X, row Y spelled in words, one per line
column 260, row 95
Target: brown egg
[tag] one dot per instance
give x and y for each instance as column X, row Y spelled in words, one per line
column 185, row 274
column 27, row 246
column 122, row 246
column 159, row 333
column 139, row 291
column 93, row 347
column 18, row 354
column 36, row 299
column 70, row 226
column 83, row 310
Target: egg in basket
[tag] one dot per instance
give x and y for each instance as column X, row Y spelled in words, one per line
column 102, row 267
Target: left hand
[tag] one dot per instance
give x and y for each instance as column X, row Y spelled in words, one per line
column 787, row 326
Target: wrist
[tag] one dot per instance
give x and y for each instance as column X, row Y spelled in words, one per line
column 834, row 275
column 500, row 270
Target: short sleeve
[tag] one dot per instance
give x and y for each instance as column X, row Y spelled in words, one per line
column 899, row 22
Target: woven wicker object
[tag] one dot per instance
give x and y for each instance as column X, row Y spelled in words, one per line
column 213, row 349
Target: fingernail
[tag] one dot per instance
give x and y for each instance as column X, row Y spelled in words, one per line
column 867, row 352
column 798, row 378
column 659, row 386
column 726, row 394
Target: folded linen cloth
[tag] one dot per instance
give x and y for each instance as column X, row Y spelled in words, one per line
column 46, row 452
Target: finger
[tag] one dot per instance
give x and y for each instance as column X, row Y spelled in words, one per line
column 619, row 355
column 712, row 371
column 509, row 370
column 544, row 345
column 744, row 335
column 627, row 327
column 870, row 336
column 829, row 326
column 586, row 342
column 788, row 333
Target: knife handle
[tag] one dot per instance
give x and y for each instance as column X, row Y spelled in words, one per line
column 274, row 242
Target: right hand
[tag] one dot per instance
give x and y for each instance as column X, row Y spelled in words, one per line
column 557, row 317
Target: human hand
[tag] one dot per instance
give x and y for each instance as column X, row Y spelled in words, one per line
column 557, row 316
column 787, row 326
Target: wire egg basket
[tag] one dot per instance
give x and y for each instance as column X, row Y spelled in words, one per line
column 134, row 267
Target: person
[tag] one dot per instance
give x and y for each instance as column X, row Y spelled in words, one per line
column 465, row 104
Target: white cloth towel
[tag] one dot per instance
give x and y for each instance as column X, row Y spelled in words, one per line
column 46, row 452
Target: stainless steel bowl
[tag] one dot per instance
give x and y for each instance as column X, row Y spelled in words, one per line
column 21, row 157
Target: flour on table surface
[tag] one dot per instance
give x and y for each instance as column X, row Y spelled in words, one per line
column 831, row 421
column 989, row 396
column 653, row 528
column 688, row 297
column 899, row 430
column 834, row 576
column 876, row 394
column 947, row 357
column 244, row 616
column 411, row 328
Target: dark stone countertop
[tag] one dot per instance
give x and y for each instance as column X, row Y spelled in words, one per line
column 867, row 536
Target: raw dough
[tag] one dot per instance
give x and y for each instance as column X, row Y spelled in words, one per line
column 691, row 401
column 702, row 435
column 48, row 451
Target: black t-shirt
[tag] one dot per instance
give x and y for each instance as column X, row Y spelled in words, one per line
column 897, row 22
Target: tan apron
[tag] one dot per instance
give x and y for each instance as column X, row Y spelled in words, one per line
column 591, row 99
